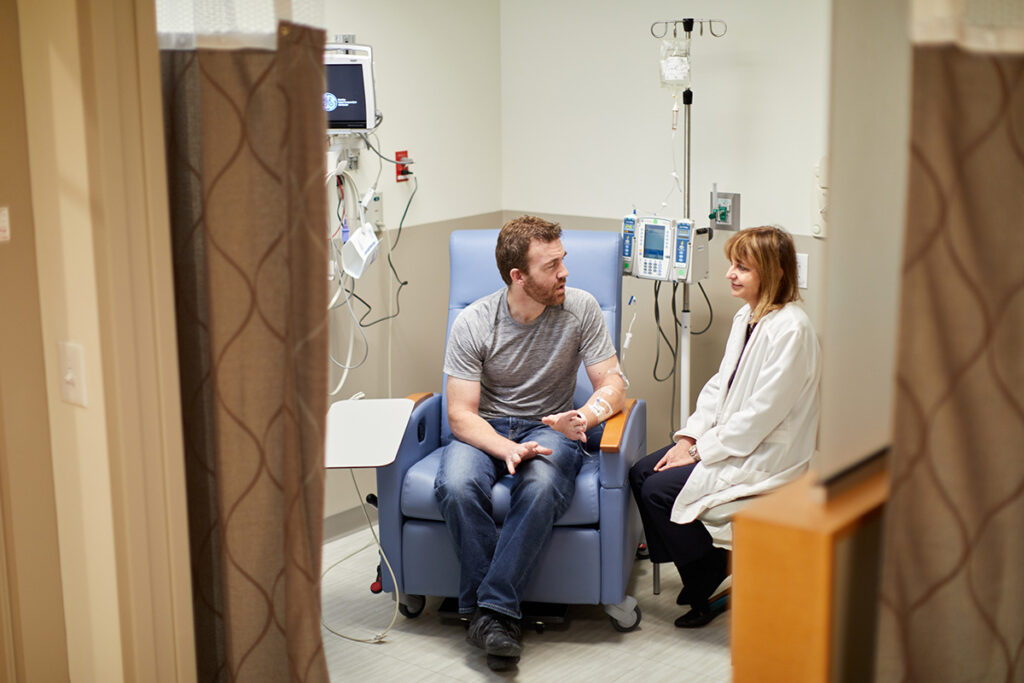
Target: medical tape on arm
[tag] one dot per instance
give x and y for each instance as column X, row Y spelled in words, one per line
column 617, row 370
column 600, row 407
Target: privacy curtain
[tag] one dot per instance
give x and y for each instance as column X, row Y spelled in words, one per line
column 245, row 142
column 953, row 569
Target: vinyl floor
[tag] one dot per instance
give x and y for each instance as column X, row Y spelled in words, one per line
column 584, row 648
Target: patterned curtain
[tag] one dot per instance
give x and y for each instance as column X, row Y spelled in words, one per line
column 245, row 149
column 953, row 570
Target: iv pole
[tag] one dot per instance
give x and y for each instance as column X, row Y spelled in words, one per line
column 683, row 346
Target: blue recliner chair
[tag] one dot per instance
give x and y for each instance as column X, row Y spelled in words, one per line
column 591, row 552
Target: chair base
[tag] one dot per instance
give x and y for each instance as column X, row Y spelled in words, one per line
column 536, row 615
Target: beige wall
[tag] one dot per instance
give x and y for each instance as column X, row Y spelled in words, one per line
column 102, row 263
column 67, row 279
column 34, row 645
column 413, row 341
column 416, row 344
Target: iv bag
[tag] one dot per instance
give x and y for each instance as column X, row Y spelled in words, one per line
column 675, row 63
column 359, row 251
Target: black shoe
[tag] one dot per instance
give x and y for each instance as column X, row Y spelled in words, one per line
column 478, row 629
column 496, row 634
column 499, row 663
column 700, row 616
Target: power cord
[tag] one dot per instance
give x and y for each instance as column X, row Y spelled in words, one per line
column 711, row 311
column 378, row 637
column 401, row 283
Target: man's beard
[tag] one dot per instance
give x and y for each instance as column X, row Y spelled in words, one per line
column 548, row 297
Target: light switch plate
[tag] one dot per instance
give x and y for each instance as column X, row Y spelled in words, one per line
column 72, row 373
column 5, row 224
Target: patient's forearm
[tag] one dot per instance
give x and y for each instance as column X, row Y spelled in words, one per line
column 606, row 401
column 474, row 430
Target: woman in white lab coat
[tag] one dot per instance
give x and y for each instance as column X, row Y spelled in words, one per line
column 754, row 426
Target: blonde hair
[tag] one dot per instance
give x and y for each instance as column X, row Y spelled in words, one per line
column 771, row 252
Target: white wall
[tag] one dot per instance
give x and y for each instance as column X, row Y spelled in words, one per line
column 437, row 84
column 436, row 67
column 587, row 127
column 556, row 108
column 870, row 123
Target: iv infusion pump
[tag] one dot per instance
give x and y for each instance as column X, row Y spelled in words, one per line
column 657, row 248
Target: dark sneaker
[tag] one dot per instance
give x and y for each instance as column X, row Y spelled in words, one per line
column 499, row 663
column 496, row 634
column 505, row 639
column 478, row 628
column 701, row 615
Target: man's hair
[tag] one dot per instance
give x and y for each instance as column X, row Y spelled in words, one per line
column 514, row 241
column 770, row 251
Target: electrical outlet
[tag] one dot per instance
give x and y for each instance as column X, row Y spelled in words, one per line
column 401, row 170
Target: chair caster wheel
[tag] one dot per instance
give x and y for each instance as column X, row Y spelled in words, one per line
column 629, row 625
column 411, row 606
column 625, row 616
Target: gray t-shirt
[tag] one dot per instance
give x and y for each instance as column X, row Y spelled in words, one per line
column 526, row 370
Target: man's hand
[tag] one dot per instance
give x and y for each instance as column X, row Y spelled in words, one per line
column 677, row 456
column 523, row 452
column 572, row 423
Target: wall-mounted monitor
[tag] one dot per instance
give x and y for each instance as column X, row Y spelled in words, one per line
column 349, row 100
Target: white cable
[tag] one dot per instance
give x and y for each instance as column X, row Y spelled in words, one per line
column 676, row 186
column 347, row 365
column 391, row 318
column 379, row 637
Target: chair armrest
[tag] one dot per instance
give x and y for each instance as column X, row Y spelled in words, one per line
column 611, row 439
column 623, row 443
column 422, row 436
column 419, row 398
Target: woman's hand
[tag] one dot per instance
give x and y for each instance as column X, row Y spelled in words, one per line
column 572, row 423
column 677, row 456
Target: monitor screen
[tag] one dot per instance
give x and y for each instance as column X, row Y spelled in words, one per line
column 654, row 241
column 345, row 97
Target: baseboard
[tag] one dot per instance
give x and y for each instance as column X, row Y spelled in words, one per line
column 346, row 522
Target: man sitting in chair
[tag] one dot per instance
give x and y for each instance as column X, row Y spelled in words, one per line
column 511, row 362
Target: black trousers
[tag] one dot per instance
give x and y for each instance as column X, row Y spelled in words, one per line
column 655, row 493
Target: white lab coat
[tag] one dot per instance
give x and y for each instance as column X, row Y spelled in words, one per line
column 760, row 433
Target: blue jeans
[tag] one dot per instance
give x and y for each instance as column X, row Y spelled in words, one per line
column 497, row 564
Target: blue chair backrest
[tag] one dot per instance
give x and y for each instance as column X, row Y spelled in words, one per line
column 594, row 261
